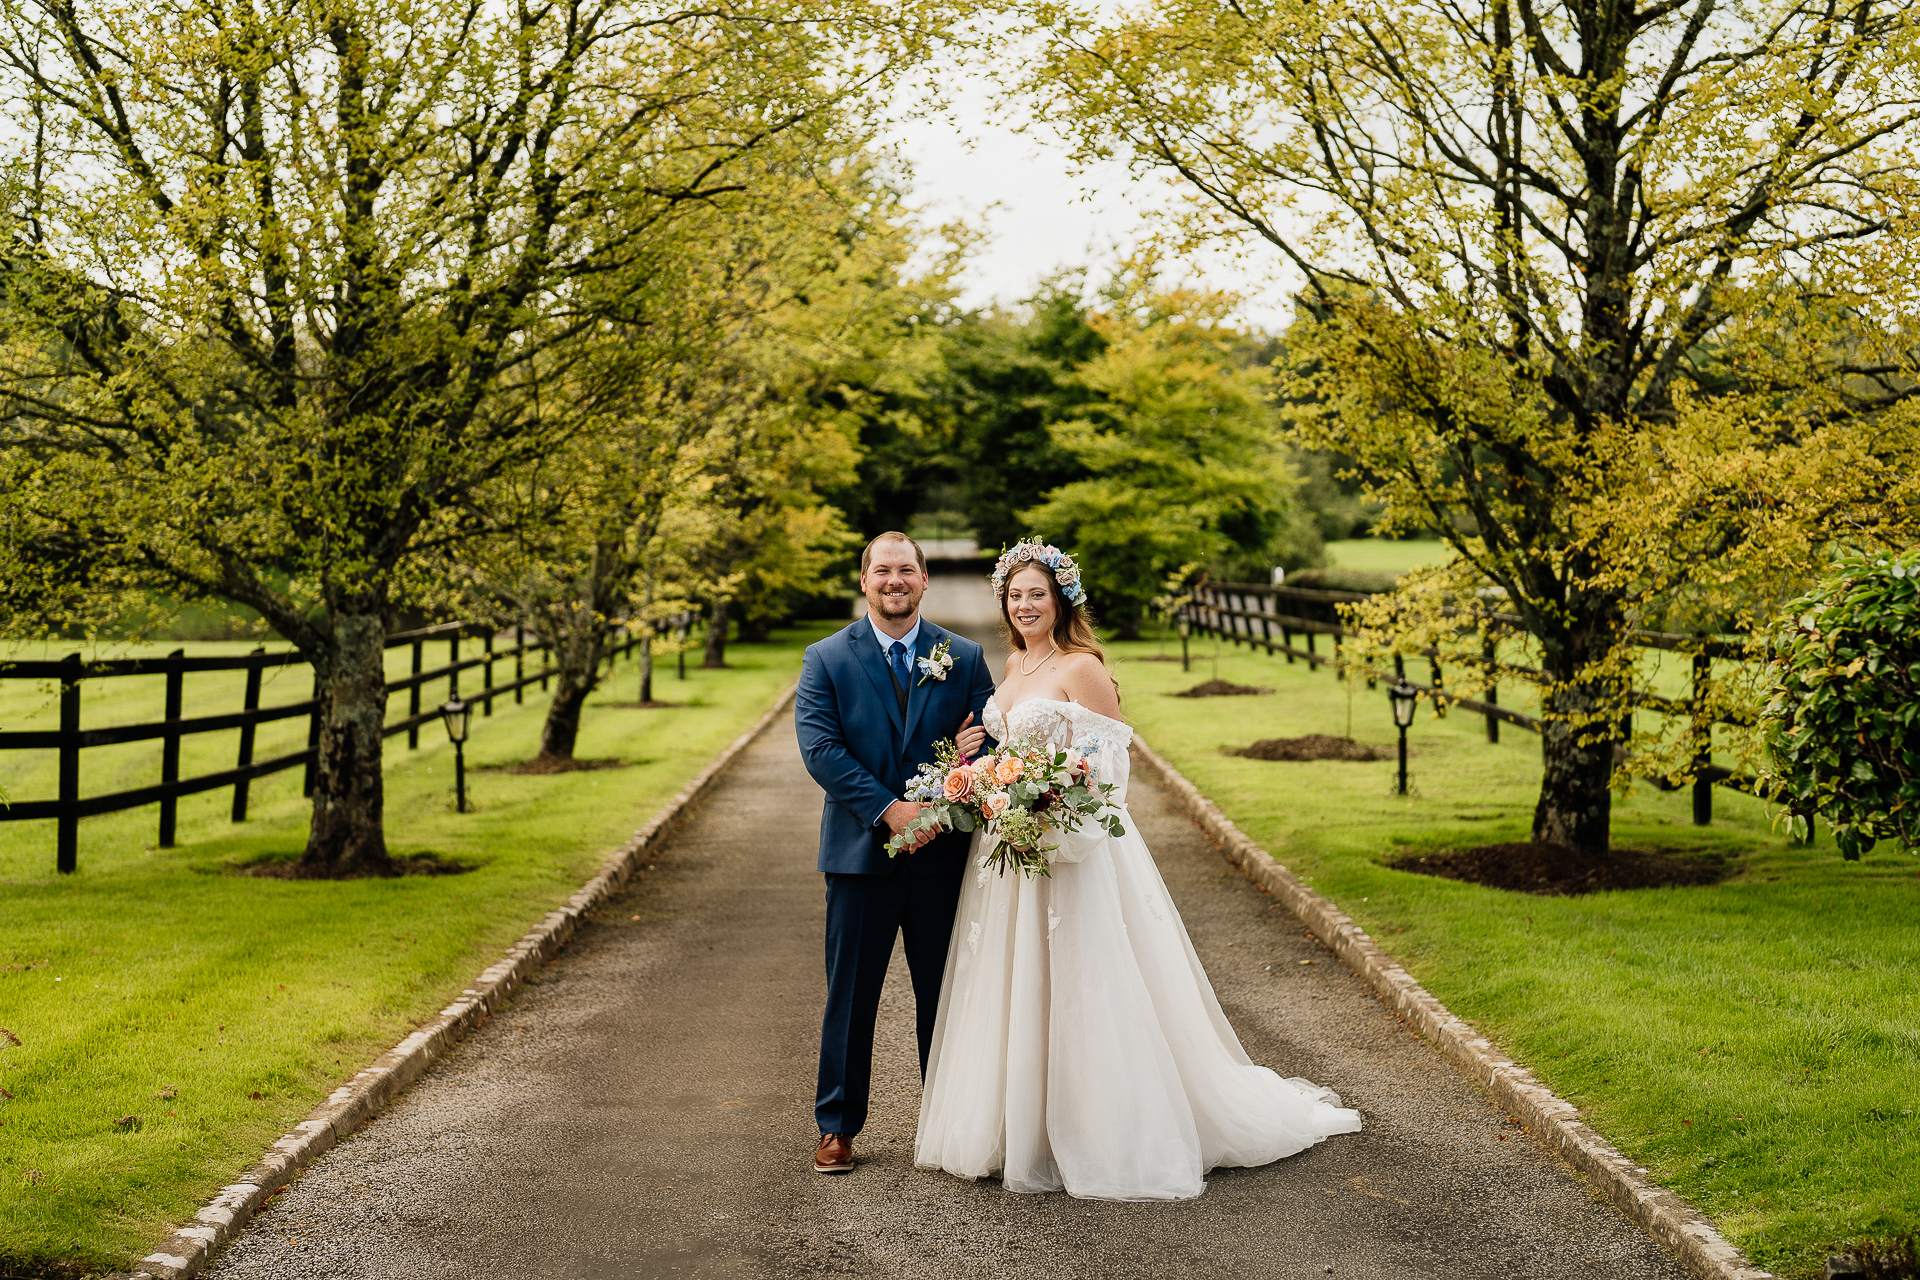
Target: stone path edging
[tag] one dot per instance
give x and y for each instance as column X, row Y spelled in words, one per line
column 190, row 1248
column 1551, row 1119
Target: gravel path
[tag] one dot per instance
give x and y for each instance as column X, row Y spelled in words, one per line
column 646, row 1112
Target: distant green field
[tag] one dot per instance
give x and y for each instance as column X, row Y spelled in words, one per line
column 1385, row 555
column 1755, row 1044
column 220, row 1008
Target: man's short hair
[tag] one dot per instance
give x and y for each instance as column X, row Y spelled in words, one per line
column 866, row 556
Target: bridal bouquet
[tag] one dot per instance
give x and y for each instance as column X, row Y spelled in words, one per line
column 1021, row 794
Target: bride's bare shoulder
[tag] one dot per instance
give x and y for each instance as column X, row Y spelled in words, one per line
column 1090, row 684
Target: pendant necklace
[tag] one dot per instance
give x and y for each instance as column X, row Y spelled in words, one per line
column 1051, row 650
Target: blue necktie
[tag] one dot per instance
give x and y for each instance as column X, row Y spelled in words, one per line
column 898, row 656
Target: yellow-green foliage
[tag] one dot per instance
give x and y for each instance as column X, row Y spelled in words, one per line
column 1181, row 444
column 1618, row 306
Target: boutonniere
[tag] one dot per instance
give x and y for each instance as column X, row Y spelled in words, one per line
column 935, row 665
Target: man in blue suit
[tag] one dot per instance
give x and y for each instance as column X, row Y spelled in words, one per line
column 868, row 717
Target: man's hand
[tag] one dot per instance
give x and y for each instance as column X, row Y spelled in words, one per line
column 970, row 738
column 898, row 815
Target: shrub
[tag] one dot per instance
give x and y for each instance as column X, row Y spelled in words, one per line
column 1840, row 719
column 1337, row 579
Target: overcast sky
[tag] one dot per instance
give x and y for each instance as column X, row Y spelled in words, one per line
column 1040, row 213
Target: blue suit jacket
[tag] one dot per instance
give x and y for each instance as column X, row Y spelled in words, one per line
column 861, row 750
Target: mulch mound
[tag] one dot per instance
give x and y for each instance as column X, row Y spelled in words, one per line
column 287, row 867
column 1221, row 689
column 1557, row 871
column 1315, row 746
column 653, row 705
column 555, row 764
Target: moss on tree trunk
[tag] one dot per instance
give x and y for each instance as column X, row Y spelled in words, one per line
column 717, row 634
column 347, row 836
column 579, row 676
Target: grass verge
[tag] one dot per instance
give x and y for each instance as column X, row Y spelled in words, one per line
column 1755, row 1043
column 218, row 1008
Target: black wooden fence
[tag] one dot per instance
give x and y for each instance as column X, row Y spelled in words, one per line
column 70, row 739
column 1250, row 613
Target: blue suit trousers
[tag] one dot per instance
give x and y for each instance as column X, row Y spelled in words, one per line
column 916, row 899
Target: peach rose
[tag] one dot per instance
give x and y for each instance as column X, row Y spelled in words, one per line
column 1008, row 771
column 996, row 803
column 958, row 783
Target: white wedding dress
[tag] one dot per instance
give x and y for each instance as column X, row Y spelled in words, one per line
column 1079, row 1044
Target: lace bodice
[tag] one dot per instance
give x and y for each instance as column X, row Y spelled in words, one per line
column 1056, row 723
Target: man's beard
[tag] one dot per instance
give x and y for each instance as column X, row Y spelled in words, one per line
column 897, row 605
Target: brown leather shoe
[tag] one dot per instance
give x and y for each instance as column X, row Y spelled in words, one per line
column 834, row 1154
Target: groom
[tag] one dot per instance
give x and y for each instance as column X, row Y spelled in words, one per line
column 868, row 716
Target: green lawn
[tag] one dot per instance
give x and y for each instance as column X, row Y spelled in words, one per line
column 1385, row 555
column 1756, row 1044
column 153, row 971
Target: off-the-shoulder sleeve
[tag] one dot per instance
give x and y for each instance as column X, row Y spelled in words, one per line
column 1106, row 741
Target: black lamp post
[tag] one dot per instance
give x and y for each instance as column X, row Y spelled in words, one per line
column 1403, row 696
column 459, row 717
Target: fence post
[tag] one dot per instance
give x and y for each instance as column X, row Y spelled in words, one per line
column 486, row 703
column 413, row 697
column 545, row 661
column 249, row 704
column 1439, row 686
column 67, row 853
column 1702, row 742
column 170, row 748
column 453, row 660
column 313, row 739
column 519, row 663
column 1492, row 694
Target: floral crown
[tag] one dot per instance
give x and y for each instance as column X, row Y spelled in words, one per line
column 1032, row 550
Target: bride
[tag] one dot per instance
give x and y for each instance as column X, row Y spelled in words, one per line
column 1079, row 1044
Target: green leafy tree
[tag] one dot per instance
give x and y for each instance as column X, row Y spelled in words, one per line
column 1007, row 378
column 711, row 362
column 281, row 281
column 1609, row 297
column 1182, row 452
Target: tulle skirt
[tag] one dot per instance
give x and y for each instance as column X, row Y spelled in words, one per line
column 1080, row 1046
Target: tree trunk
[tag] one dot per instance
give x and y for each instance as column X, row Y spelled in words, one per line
column 579, row 676
column 755, row 630
column 347, row 835
column 1575, row 808
column 646, row 668
column 717, row 633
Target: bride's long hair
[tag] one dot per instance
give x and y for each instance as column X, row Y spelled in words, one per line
column 1072, row 624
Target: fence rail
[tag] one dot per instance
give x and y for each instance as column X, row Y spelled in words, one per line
column 70, row 739
column 1224, row 610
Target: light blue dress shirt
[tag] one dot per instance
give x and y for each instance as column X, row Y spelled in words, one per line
column 887, row 641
